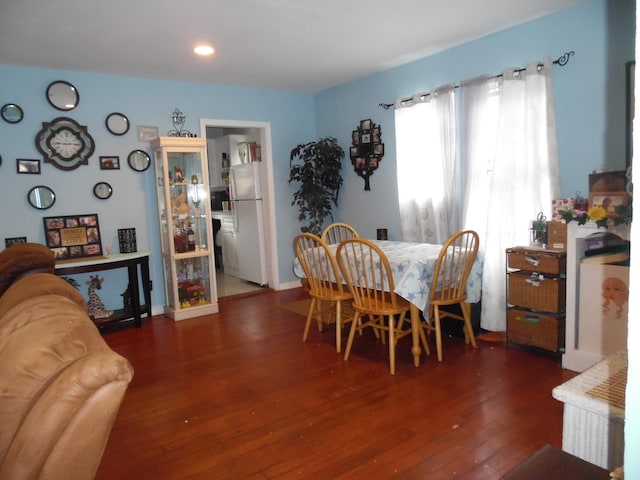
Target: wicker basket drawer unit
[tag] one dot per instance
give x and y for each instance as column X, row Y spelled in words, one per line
column 532, row 328
column 536, row 298
column 537, row 293
column 537, row 260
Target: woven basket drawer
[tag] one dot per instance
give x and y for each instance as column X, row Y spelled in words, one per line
column 543, row 294
column 530, row 328
column 542, row 262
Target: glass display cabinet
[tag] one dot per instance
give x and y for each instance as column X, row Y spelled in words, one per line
column 185, row 230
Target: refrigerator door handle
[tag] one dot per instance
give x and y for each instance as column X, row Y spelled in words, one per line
column 232, row 184
column 234, row 215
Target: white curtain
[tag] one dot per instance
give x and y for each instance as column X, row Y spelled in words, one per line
column 427, row 175
column 511, row 163
column 507, row 168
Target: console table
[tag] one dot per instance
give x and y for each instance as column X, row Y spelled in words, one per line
column 132, row 262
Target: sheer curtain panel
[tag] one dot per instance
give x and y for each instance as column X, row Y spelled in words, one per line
column 426, row 151
column 507, row 187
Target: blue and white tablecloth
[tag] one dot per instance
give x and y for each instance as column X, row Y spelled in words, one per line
column 413, row 265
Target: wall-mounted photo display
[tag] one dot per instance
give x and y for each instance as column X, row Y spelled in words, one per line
column 109, row 163
column 366, row 149
column 28, row 165
column 73, row 236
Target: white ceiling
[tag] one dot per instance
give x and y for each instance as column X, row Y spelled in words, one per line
column 295, row 45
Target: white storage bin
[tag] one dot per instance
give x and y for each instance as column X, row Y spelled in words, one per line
column 593, row 421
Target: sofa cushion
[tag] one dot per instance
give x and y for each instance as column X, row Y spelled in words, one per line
column 32, row 286
column 60, row 389
column 24, row 258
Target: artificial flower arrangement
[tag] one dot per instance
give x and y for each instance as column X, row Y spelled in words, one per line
column 621, row 214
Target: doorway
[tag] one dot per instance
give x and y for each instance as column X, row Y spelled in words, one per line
column 258, row 133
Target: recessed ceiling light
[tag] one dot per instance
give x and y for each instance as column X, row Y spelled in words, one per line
column 203, row 50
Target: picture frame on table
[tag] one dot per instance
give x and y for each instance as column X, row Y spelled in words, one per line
column 365, row 138
column 28, row 165
column 13, row 240
column 378, row 149
column 365, row 124
column 73, row 236
column 609, row 200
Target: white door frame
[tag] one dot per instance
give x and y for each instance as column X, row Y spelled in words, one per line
column 267, row 186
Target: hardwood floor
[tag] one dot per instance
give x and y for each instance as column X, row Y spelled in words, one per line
column 238, row 395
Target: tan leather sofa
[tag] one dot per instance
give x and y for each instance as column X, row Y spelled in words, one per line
column 61, row 386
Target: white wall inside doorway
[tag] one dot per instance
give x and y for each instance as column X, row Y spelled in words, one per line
column 262, row 131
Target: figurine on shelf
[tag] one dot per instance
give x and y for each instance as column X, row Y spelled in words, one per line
column 179, row 176
column 180, row 205
column 95, row 306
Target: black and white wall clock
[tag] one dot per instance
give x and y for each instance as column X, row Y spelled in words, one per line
column 65, row 143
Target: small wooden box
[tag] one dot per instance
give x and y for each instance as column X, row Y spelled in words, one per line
column 557, row 236
column 543, row 294
column 537, row 260
column 535, row 329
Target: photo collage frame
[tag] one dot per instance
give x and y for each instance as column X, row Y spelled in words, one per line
column 73, row 236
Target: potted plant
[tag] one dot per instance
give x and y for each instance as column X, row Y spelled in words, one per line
column 315, row 166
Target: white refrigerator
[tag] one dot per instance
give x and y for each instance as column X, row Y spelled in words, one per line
column 245, row 194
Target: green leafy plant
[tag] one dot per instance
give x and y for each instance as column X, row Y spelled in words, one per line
column 315, row 166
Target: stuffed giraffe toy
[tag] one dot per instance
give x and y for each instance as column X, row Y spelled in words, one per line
column 95, row 305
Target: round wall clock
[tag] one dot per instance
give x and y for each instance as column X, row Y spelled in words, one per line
column 65, row 143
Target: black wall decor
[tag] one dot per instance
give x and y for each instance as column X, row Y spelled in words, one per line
column 367, row 150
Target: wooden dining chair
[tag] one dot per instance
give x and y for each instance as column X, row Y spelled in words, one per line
column 337, row 232
column 449, row 284
column 367, row 271
column 324, row 286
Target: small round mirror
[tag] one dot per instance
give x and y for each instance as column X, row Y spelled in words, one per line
column 11, row 113
column 139, row 160
column 117, row 123
column 41, row 197
column 102, row 190
column 62, row 95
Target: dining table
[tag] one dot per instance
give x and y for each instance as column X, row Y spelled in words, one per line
column 413, row 267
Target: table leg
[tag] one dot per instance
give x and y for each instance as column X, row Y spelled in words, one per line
column 415, row 334
column 135, row 293
column 146, row 285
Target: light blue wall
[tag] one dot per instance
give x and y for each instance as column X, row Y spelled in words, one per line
column 145, row 102
column 589, row 94
column 590, row 114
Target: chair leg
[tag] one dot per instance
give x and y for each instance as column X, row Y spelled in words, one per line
column 436, row 321
column 392, row 345
column 338, row 326
column 355, row 321
column 312, row 307
column 466, row 313
column 423, row 337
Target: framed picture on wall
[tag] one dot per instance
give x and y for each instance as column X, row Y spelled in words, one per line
column 28, row 165
column 110, row 163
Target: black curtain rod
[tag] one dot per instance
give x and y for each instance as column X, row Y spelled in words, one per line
column 562, row 61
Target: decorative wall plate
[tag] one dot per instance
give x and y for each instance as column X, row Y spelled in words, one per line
column 117, row 123
column 65, row 143
column 102, row 190
column 62, row 95
column 11, row 113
